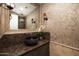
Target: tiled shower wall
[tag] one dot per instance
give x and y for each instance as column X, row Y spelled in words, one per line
column 63, row 24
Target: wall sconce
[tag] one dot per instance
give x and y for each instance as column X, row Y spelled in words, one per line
column 33, row 22
column 45, row 17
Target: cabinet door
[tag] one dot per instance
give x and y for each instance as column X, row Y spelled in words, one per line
column 7, row 19
column 2, row 19
column 40, row 51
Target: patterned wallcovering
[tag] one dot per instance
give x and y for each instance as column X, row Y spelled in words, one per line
column 63, row 23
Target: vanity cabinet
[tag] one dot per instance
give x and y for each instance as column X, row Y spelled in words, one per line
column 4, row 18
column 40, row 51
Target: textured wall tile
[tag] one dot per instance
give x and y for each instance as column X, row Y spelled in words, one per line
column 63, row 23
column 58, row 50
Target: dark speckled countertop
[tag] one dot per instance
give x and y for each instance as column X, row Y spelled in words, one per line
column 13, row 44
column 21, row 48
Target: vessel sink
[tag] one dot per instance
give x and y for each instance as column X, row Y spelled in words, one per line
column 31, row 41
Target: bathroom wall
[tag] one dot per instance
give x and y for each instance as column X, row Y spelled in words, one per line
column 33, row 15
column 0, row 23
column 63, row 24
column 4, row 19
column 60, row 50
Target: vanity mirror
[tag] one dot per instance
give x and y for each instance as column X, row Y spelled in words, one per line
column 22, row 15
column 20, row 18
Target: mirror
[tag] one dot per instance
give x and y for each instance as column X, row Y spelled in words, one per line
column 25, row 16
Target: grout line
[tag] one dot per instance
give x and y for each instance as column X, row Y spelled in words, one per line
column 65, row 45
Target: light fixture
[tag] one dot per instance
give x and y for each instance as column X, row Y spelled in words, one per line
column 26, row 7
column 11, row 4
column 45, row 16
column 21, row 20
column 21, row 8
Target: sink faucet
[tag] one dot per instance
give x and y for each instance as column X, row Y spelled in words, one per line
column 42, row 26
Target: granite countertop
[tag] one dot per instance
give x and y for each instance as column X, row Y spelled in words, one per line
column 19, row 31
column 21, row 48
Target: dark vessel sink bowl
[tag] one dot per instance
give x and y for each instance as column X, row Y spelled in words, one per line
column 34, row 38
column 31, row 41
